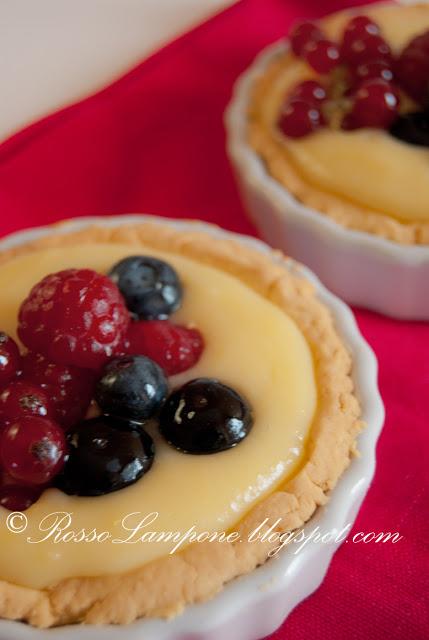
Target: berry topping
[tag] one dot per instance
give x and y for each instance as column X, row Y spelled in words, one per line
column 299, row 118
column 322, row 55
column 302, row 34
column 373, row 70
column 173, row 347
column 412, row 69
column 412, row 128
column 17, row 497
column 151, row 287
column 205, row 416
column 21, row 399
column 366, row 49
column 32, row 450
column 106, row 454
column 131, row 387
column 309, row 91
column 74, row 317
column 70, row 389
column 376, row 104
column 359, row 28
column 9, row 359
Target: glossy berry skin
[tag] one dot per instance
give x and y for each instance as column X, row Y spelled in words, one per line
column 173, row 347
column 376, row 104
column 412, row 128
column 205, row 416
column 322, row 55
column 299, row 118
column 373, row 70
column 365, row 50
column 9, row 359
column 74, row 317
column 21, row 398
column 132, row 387
column 32, row 450
column 15, row 497
column 70, row 389
column 358, row 28
column 412, row 69
column 301, row 34
column 309, row 91
column 151, row 287
column 105, row 454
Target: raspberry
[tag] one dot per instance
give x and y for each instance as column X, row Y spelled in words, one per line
column 21, row 398
column 70, row 389
column 74, row 317
column 32, row 450
column 173, row 347
column 9, row 359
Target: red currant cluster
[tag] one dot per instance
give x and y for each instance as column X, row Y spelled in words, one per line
column 72, row 324
column 366, row 71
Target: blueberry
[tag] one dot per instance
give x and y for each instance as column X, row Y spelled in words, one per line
column 205, row 416
column 105, row 454
column 131, row 387
column 412, row 128
column 151, row 287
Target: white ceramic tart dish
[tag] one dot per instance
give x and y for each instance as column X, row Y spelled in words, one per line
column 341, row 370
column 372, row 264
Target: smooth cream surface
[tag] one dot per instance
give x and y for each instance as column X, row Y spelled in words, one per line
column 251, row 345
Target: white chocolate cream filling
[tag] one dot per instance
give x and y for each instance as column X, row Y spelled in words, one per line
column 251, row 345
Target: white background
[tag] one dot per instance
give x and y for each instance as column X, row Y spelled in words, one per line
column 53, row 52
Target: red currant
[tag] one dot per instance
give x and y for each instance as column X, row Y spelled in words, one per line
column 70, row 389
column 299, row 118
column 366, row 49
column 373, row 70
column 412, row 68
column 22, row 398
column 173, row 347
column 376, row 104
column 360, row 27
column 309, row 91
column 32, row 450
column 9, row 359
column 18, row 497
column 322, row 55
column 301, row 34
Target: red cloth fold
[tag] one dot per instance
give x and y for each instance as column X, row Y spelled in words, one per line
column 154, row 142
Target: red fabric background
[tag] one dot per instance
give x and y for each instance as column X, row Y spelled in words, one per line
column 154, row 142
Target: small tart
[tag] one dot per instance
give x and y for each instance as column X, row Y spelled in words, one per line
column 364, row 179
column 306, row 422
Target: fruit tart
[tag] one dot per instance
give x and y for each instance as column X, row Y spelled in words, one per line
column 328, row 131
column 153, row 380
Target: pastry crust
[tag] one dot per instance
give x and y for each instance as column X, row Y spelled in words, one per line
column 165, row 586
column 270, row 146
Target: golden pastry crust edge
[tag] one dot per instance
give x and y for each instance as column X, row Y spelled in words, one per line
column 271, row 149
column 165, row 586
